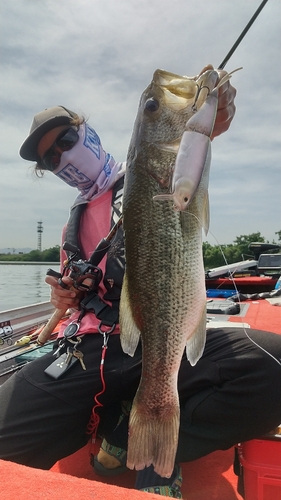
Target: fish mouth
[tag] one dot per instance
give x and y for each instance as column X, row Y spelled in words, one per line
column 183, row 92
column 183, row 95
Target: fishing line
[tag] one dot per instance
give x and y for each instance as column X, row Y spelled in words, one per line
column 221, row 66
column 236, row 290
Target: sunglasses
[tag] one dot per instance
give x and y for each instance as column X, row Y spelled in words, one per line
column 64, row 142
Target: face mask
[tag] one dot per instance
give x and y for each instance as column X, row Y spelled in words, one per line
column 88, row 167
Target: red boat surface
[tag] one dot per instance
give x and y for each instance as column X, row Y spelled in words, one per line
column 244, row 284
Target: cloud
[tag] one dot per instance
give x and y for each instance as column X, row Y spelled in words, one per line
column 97, row 57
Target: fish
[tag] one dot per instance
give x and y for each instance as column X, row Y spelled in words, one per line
column 163, row 297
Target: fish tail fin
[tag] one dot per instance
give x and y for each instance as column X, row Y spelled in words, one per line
column 153, row 440
column 196, row 343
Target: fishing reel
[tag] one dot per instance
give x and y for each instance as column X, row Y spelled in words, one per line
column 85, row 275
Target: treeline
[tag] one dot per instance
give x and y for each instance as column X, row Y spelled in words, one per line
column 214, row 256
column 49, row 255
column 217, row 255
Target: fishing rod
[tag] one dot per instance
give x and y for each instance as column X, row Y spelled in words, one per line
column 240, row 38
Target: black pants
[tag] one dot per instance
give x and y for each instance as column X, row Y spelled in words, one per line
column 232, row 394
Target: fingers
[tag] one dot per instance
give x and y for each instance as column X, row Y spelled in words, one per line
column 206, row 68
column 227, row 93
column 63, row 298
column 226, row 107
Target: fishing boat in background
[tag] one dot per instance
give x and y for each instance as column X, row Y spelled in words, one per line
column 257, row 275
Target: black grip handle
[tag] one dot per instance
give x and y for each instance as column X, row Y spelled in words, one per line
column 55, row 274
column 68, row 247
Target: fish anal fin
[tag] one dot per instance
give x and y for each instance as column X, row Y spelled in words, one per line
column 196, row 343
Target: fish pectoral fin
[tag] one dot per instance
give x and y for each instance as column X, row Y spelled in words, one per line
column 196, row 343
column 129, row 332
column 171, row 147
column 163, row 197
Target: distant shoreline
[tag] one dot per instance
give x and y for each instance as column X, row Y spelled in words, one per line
column 27, row 262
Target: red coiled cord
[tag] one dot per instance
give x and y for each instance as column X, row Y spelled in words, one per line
column 94, row 421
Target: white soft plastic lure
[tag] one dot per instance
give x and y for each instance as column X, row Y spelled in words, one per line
column 194, row 150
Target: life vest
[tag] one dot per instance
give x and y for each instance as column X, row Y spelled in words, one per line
column 115, row 260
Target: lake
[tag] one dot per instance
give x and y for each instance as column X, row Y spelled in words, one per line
column 22, row 284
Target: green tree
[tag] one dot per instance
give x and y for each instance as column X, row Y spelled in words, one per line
column 244, row 241
column 278, row 235
column 51, row 254
column 212, row 256
column 215, row 256
column 34, row 255
column 249, row 238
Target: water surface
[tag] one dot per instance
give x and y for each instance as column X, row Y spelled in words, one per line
column 23, row 284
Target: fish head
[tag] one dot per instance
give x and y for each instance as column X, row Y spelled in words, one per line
column 165, row 107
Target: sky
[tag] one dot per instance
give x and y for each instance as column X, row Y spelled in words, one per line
column 96, row 57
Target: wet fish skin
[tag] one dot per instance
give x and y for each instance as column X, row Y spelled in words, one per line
column 163, row 297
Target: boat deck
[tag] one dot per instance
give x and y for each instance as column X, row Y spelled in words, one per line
column 209, row 478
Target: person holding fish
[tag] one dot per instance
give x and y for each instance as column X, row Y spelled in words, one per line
column 44, row 415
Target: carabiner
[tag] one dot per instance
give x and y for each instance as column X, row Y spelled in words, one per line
column 105, row 333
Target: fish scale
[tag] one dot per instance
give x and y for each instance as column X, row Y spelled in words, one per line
column 163, row 298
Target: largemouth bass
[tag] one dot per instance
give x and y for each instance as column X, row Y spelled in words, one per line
column 163, row 298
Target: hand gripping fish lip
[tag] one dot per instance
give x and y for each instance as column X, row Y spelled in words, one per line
column 194, row 150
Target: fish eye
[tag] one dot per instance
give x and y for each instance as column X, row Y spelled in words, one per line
column 151, row 105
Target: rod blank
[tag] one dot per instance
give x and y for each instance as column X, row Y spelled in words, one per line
column 240, row 38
